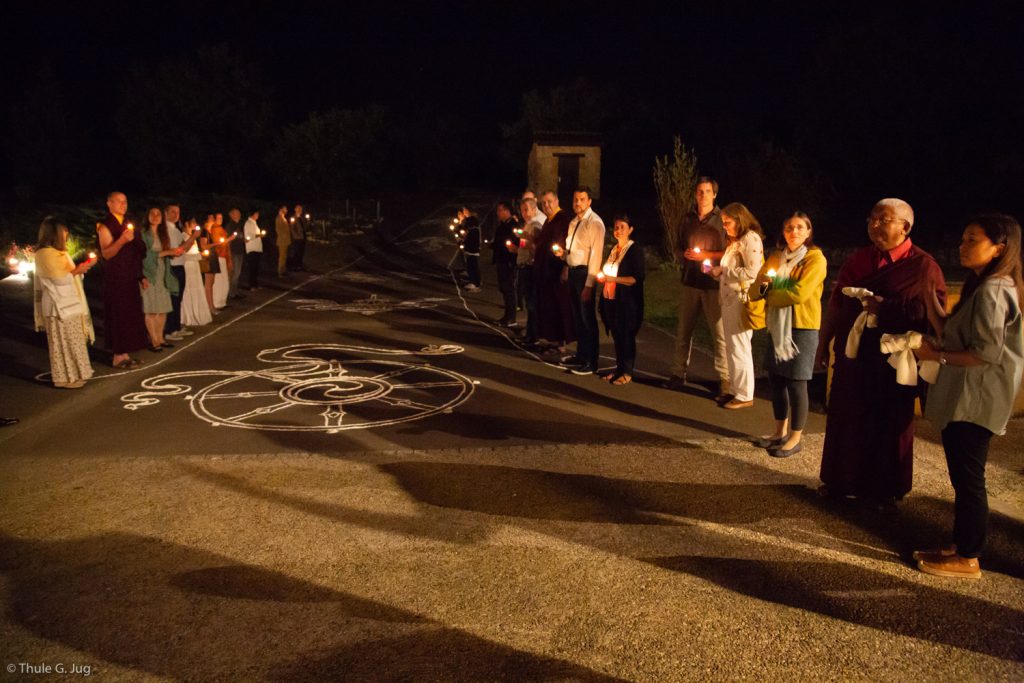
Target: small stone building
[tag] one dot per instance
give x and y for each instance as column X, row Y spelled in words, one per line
column 562, row 161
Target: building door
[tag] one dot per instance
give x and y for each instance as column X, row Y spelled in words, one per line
column 568, row 177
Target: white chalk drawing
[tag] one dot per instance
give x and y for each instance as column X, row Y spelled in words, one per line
column 372, row 305
column 316, row 388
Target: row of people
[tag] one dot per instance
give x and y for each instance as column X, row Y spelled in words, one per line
column 889, row 287
column 160, row 279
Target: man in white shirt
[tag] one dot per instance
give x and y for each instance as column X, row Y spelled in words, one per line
column 253, row 249
column 584, row 256
column 173, row 329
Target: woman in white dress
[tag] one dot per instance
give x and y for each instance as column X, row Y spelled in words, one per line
column 195, row 310
column 60, row 306
column 739, row 266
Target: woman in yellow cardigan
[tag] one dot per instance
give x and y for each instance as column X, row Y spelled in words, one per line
column 791, row 283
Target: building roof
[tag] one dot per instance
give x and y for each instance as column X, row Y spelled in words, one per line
column 574, row 138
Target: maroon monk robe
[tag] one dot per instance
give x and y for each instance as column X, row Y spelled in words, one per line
column 869, row 432
column 554, row 311
column 124, row 326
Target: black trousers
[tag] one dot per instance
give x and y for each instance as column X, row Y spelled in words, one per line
column 173, row 323
column 507, row 287
column 786, row 394
column 527, row 293
column 473, row 269
column 584, row 316
column 252, row 268
column 296, row 254
column 966, row 446
column 624, row 335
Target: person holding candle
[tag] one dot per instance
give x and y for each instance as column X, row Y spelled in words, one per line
column 221, row 241
column 283, row 237
column 299, row 229
column 701, row 238
column 503, row 255
column 980, row 356
column 156, row 299
column 743, row 257
column 584, row 249
column 211, row 259
column 123, row 322
column 622, row 298
column 195, row 308
column 253, row 249
column 791, row 282
column 60, row 306
column 554, row 311
column 173, row 329
column 237, row 251
column 525, row 287
column 470, row 233
column 869, row 429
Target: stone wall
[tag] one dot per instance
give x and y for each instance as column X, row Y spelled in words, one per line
column 543, row 166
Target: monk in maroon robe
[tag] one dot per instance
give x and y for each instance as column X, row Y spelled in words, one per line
column 554, row 310
column 124, row 326
column 869, row 433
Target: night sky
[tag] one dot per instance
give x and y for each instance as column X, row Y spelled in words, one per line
column 867, row 100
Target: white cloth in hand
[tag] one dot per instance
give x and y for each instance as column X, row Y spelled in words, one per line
column 863, row 320
column 901, row 349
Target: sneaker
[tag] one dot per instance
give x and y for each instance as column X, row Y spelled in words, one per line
column 185, row 332
column 570, row 359
column 174, row 336
column 585, row 369
column 471, row 288
column 952, row 566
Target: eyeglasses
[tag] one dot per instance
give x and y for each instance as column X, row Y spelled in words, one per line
column 872, row 221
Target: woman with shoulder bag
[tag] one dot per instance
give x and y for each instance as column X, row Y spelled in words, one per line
column 740, row 263
column 60, row 306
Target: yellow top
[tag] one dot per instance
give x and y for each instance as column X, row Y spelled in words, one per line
column 802, row 291
column 52, row 263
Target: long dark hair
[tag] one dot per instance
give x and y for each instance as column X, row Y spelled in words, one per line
column 1000, row 229
column 51, row 234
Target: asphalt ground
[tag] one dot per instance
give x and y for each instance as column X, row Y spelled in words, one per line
column 354, row 475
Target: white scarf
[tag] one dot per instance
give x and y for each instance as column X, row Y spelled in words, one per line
column 901, row 347
column 780, row 320
column 863, row 320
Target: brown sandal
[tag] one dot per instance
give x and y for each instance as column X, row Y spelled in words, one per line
column 622, row 379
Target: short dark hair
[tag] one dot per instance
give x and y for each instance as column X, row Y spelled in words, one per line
column 506, row 205
column 624, row 217
column 707, row 179
column 584, row 188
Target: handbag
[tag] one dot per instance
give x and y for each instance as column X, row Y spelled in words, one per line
column 753, row 314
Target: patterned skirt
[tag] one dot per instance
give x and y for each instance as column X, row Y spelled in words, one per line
column 69, row 351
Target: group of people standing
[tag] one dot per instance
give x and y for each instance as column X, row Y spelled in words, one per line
column 887, row 308
column 160, row 279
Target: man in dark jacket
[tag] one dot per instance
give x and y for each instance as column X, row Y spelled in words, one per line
column 504, row 248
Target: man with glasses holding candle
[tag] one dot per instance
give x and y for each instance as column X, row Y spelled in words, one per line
column 700, row 246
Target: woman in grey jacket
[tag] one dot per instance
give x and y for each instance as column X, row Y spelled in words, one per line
column 981, row 356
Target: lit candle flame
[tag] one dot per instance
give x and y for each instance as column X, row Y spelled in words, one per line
column 555, row 248
column 508, row 243
column 130, row 226
column 706, row 265
column 92, row 255
column 221, row 240
column 307, row 216
column 696, row 250
column 263, row 233
column 771, row 272
column 206, row 252
column 12, row 261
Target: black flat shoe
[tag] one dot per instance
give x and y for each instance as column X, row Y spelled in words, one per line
column 767, row 443
column 166, row 345
column 782, row 453
column 155, row 349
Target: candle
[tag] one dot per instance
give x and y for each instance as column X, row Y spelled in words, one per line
column 462, row 232
column 129, row 227
column 770, row 272
column 508, row 243
column 555, row 248
column 522, row 244
column 462, row 246
column 293, row 219
column 92, row 255
column 12, row 262
column 263, row 233
column 234, row 234
column 307, row 216
column 705, row 265
column 696, row 250
column 206, row 252
column 452, row 227
column 609, row 269
column 221, row 240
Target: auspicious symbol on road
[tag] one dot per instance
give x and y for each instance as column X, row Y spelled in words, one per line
column 357, row 276
column 369, row 306
column 316, row 388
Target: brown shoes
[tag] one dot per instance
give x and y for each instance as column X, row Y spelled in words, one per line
column 952, row 566
column 736, row 405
